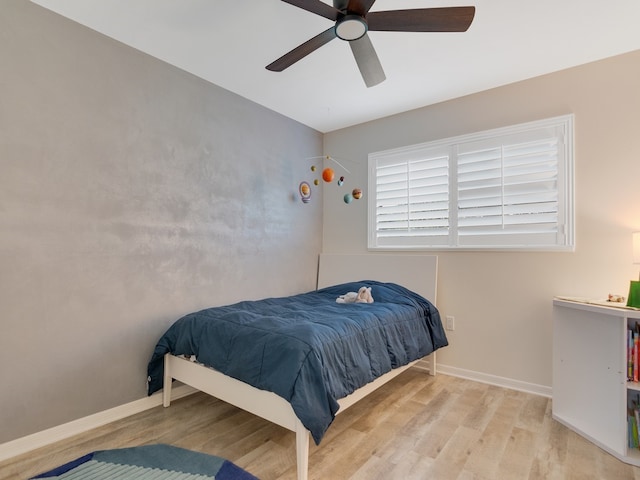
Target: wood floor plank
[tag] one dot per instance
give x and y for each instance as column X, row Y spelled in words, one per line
column 518, row 455
column 551, row 449
column 416, row 427
column 451, row 461
column 533, row 413
column 581, row 463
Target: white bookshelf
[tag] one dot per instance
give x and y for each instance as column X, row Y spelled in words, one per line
column 590, row 387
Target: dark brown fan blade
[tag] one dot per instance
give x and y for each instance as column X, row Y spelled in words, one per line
column 360, row 7
column 317, row 7
column 444, row 19
column 367, row 60
column 302, row 51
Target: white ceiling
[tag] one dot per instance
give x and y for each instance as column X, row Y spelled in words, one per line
column 229, row 42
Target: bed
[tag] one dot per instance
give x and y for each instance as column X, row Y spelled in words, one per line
column 318, row 356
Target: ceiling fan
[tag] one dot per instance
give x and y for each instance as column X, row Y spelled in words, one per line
column 353, row 20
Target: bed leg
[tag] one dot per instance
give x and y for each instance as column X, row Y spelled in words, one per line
column 431, row 359
column 302, row 450
column 166, row 382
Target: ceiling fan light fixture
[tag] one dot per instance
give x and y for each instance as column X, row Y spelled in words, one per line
column 351, row 27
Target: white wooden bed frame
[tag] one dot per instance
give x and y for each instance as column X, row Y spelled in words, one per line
column 415, row 272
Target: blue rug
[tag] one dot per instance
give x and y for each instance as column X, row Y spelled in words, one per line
column 149, row 462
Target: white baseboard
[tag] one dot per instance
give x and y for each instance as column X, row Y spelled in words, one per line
column 533, row 388
column 47, row 437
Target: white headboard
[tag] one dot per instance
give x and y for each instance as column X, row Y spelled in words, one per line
column 415, row 272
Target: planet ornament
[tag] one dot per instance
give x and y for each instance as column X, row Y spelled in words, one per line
column 328, row 174
column 357, row 193
column 348, row 198
column 305, row 192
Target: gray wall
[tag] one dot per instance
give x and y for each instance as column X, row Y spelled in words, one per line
column 502, row 300
column 130, row 193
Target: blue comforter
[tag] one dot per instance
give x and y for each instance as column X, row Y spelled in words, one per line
column 307, row 348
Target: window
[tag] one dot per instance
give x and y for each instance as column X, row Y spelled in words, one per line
column 509, row 188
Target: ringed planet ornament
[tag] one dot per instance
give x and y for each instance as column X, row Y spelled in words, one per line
column 328, row 174
column 305, row 192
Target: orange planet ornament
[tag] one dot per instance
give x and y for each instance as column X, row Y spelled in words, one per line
column 328, row 174
column 357, row 193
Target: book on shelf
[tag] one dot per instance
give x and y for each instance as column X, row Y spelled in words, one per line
column 633, row 352
column 633, row 423
column 635, row 356
column 629, row 354
column 632, row 433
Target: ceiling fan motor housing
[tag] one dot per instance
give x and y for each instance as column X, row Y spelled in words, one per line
column 351, row 27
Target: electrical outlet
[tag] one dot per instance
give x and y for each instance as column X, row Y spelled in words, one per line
column 450, row 322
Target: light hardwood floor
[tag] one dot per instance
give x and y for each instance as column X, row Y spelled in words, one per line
column 415, row 427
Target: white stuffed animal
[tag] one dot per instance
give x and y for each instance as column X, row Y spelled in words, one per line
column 362, row 296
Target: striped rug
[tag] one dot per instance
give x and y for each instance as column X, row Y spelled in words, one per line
column 149, row 462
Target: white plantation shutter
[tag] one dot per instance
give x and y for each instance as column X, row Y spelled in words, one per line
column 508, row 193
column 413, row 198
column 506, row 188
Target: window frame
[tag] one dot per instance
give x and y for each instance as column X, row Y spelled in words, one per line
column 563, row 129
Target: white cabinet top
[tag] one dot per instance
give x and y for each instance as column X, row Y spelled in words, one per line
column 601, row 306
